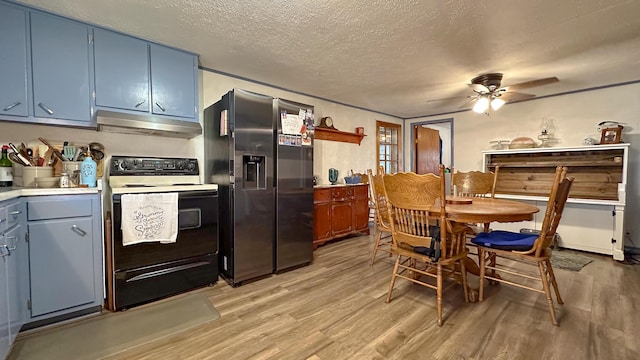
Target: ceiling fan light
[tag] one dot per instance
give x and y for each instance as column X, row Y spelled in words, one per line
column 497, row 103
column 481, row 105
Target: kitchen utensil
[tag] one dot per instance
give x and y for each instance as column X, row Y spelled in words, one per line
column 24, row 159
column 48, row 158
column 56, row 153
column 69, row 151
column 14, row 157
column 97, row 151
column 79, row 151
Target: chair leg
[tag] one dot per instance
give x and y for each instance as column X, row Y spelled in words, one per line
column 376, row 245
column 463, row 273
column 439, row 293
column 393, row 278
column 483, row 269
column 553, row 282
column 492, row 263
column 547, row 291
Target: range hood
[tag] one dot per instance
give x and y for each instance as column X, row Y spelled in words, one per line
column 111, row 121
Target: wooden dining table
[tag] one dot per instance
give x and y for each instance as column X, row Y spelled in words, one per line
column 484, row 211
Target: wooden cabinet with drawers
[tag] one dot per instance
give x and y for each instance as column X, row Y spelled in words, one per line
column 340, row 211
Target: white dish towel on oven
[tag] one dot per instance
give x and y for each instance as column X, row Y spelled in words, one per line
column 149, row 218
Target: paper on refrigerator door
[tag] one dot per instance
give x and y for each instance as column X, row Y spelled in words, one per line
column 291, row 124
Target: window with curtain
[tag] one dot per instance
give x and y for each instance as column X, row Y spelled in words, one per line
column 389, row 146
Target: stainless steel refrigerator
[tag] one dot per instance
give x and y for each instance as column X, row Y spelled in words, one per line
column 263, row 229
column 294, row 184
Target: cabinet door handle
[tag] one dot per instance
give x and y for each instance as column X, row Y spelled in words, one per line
column 45, row 108
column 1, row 220
column 15, row 243
column 78, row 231
column 160, row 106
column 12, row 106
column 15, row 213
column 140, row 103
column 3, row 253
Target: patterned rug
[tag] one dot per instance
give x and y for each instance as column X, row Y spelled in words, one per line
column 569, row 260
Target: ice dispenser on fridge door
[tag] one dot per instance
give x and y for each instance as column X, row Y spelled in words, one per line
column 254, row 174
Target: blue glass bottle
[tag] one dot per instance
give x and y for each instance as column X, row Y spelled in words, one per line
column 88, row 171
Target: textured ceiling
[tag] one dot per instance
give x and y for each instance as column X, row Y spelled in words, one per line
column 390, row 56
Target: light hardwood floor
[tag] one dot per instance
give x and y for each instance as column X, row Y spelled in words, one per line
column 335, row 309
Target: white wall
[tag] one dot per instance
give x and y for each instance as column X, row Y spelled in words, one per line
column 327, row 154
column 575, row 117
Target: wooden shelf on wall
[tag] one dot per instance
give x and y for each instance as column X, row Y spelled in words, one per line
column 337, row 135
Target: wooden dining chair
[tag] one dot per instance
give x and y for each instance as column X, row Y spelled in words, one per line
column 409, row 197
column 382, row 223
column 526, row 248
column 474, row 183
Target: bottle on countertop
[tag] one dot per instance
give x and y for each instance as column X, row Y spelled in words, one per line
column 64, row 180
column 88, row 171
column 6, row 177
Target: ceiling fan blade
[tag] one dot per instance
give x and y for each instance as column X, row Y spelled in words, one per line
column 479, row 88
column 515, row 96
column 449, row 98
column 529, row 84
column 467, row 103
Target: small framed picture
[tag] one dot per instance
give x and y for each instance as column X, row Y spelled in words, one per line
column 611, row 135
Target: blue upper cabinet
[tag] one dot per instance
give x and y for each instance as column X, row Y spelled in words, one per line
column 173, row 82
column 60, row 68
column 13, row 61
column 121, row 71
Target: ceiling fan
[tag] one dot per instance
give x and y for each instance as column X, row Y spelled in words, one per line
column 489, row 93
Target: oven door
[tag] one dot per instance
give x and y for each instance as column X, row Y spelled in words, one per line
column 197, row 234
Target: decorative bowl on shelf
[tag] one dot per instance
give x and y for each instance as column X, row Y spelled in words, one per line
column 353, row 179
column 522, row 143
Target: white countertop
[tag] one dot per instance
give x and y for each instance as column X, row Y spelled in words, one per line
column 14, row 192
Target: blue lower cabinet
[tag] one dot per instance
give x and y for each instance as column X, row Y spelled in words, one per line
column 65, row 254
column 13, row 272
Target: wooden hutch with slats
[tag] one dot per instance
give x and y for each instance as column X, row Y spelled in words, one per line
column 593, row 219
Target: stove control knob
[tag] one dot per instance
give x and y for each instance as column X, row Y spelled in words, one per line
column 126, row 165
column 179, row 165
column 191, row 166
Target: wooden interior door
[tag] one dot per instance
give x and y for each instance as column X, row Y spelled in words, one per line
column 426, row 150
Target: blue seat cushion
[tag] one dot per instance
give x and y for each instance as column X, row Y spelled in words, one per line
column 505, row 240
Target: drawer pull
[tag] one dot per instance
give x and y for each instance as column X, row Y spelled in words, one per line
column 78, row 231
column 15, row 243
column 12, row 106
column 15, row 213
column 140, row 103
column 3, row 219
column 6, row 251
column 45, row 108
column 160, row 106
